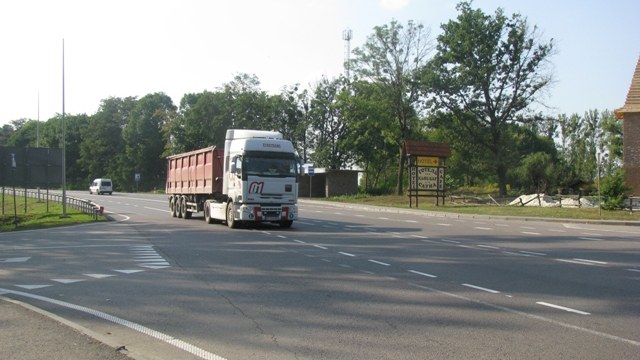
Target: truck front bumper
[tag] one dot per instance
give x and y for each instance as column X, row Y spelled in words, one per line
column 268, row 212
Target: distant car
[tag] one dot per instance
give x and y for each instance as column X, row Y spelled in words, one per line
column 101, row 186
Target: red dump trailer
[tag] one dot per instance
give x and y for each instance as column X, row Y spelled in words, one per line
column 193, row 178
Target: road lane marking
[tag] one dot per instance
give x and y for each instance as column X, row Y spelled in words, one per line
column 527, row 315
column 483, row 228
column 515, row 253
column 443, row 224
column 592, row 261
column 590, row 238
column 300, row 241
column 634, row 270
column 481, row 288
column 32, row 287
column 98, row 276
column 533, row 253
column 576, row 262
column 67, row 281
column 422, row 274
column 466, row 246
column 529, row 233
column 450, row 241
column 379, row 262
column 15, row 259
column 320, row 247
column 562, row 308
column 489, row 247
column 203, row 354
column 345, row 254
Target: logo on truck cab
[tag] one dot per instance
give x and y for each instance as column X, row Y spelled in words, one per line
column 256, row 187
column 271, row 145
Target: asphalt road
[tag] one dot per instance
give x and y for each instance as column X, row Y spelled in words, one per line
column 342, row 283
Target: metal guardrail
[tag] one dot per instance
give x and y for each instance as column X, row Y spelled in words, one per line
column 82, row 205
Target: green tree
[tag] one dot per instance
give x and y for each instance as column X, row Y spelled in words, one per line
column 610, row 142
column 24, row 134
column 538, row 171
column 392, row 58
column 489, row 67
column 372, row 136
column 202, row 121
column 102, row 147
column 289, row 114
column 51, row 137
column 5, row 134
column 144, row 141
column 329, row 128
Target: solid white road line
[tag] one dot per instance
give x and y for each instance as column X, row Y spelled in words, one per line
column 203, row 354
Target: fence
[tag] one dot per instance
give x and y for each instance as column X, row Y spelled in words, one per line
column 85, row 206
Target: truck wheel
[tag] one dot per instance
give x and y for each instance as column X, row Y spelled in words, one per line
column 181, row 206
column 172, row 207
column 286, row 224
column 207, row 212
column 230, row 221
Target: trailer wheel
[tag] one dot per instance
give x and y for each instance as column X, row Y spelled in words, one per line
column 207, row 212
column 230, row 221
column 172, row 206
column 180, row 203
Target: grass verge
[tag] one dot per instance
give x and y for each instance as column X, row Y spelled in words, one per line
column 37, row 215
column 425, row 203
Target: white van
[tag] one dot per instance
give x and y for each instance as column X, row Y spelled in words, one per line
column 101, row 186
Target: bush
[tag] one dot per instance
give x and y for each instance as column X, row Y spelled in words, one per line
column 612, row 190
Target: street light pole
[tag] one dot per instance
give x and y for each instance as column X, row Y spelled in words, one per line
column 64, row 166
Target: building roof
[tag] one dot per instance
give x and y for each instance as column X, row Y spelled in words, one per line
column 632, row 105
column 424, row 148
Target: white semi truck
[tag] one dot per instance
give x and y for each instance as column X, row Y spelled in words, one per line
column 254, row 178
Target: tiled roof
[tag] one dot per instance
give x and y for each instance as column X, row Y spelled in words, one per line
column 632, row 105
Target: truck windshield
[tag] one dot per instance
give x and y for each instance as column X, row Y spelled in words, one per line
column 269, row 165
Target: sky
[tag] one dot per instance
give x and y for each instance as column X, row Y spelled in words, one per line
column 122, row 48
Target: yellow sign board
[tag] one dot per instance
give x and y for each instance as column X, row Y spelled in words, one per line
column 428, row 161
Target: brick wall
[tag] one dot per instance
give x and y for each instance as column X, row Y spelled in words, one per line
column 631, row 128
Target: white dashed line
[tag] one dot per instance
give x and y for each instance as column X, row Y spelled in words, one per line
column 576, row 262
column 489, row 247
column 591, row 261
column 379, row 262
column 562, row 308
column 481, row 288
column 320, row 247
column 345, row 254
column 450, row 241
column 423, row 274
column 533, row 253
